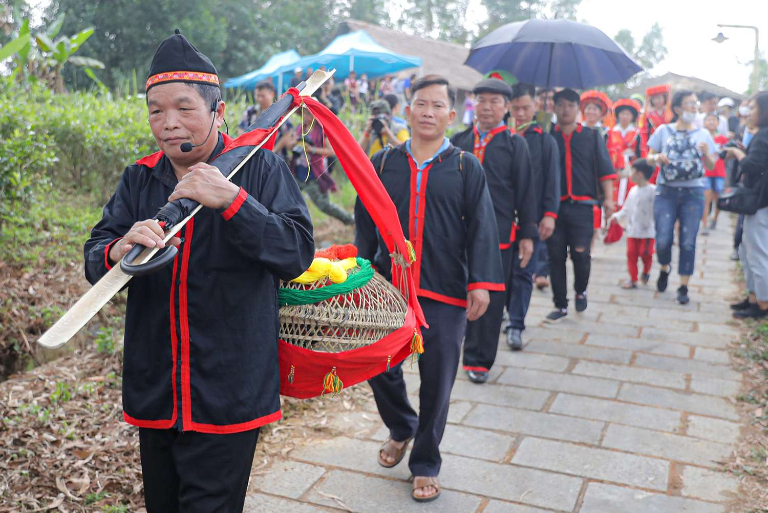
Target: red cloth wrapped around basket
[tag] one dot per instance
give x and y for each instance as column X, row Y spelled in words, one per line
column 305, row 373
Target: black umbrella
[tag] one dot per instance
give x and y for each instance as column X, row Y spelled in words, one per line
column 553, row 53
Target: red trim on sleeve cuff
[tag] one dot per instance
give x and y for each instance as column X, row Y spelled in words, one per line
column 235, row 206
column 609, row 177
column 550, row 214
column 486, row 286
column 106, row 253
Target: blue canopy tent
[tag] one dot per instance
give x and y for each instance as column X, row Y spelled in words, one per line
column 356, row 51
column 249, row 80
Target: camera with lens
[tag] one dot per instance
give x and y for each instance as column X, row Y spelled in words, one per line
column 729, row 144
column 378, row 123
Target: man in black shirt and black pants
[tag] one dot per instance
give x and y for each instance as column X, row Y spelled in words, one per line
column 545, row 166
column 585, row 166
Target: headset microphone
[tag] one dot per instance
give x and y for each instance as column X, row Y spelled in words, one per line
column 188, row 146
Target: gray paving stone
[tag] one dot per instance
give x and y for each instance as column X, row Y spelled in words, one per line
column 709, row 485
column 580, row 351
column 593, row 463
column 375, row 495
column 730, row 333
column 694, row 403
column 713, row 429
column 456, row 412
column 573, row 322
column 715, row 386
column 688, row 315
column 288, row 478
column 691, row 339
column 527, row 360
column 631, row 374
column 559, row 382
column 547, row 333
column 688, row 366
column 640, row 322
column 708, row 354
column 260, row 503
column 613, row 411
column 545, row 425
column 666, row 445
column 604, row 498
column 351, row 454
column 511, row 483
column 525, row 398
column 476, row 443
column 508, row 507
column 640, row 344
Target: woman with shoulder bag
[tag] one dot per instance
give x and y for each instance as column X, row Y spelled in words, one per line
column 753, row 164
column 679, row 148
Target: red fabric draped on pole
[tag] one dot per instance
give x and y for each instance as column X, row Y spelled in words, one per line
column 302, row 371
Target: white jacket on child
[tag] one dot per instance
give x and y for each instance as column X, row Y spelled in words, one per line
column 637, row 212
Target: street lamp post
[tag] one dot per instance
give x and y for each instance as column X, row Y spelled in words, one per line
column 755, row 70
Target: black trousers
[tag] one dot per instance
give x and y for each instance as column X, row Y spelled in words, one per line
column 437, row 368
column 573, row 232
column 482, row 337
column 195, row 472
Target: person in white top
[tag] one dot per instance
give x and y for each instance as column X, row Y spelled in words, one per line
column 637, row 213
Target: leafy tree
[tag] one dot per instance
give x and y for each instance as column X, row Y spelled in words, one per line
column 372, row 11
column 38, row 57
column 441, row 19
column 501, row 12
column 762, row 75
column 648, row 53
column 237, row 35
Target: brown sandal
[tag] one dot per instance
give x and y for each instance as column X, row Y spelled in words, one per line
column 423, row 482
column 399, row 454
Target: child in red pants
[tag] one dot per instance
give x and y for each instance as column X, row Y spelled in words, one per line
column 637, row 212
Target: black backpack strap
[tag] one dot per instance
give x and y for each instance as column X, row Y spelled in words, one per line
column 387, row 149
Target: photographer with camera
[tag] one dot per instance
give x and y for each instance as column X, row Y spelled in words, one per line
column 380, row 130
column 753, row 164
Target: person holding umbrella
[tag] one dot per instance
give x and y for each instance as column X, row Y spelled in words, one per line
column 586, row 172
column 507, row 165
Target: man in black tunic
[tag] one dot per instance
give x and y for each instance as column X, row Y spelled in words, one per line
column 507, row 167
column 445, row 210
column 584, row 166
column 200, row 371
column 545, row 161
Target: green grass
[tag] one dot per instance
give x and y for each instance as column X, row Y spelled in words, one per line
column 52, row 227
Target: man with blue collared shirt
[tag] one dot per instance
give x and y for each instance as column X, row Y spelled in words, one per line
column 445, row 209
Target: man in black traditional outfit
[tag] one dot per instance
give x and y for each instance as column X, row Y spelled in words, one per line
column 445, row 209
column 545, row 162
column 200, row 372
column 585, row 167
column 507, row 166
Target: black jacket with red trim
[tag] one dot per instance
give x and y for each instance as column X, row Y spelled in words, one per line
column 584, row 160
column 201, row 335
column 455, row 236
column 507, row 166
column 545, row 162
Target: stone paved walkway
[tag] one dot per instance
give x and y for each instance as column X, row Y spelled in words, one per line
column 627, row 408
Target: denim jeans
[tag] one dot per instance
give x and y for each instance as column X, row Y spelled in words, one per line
column 672, row 204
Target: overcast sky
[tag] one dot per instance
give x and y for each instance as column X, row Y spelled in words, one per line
column 688, row 27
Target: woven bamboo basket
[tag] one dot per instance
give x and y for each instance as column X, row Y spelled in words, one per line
column 346, row 321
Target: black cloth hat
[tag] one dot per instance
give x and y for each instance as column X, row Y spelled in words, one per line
column 567, row 94
column 176, row 60
column 493, row 85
